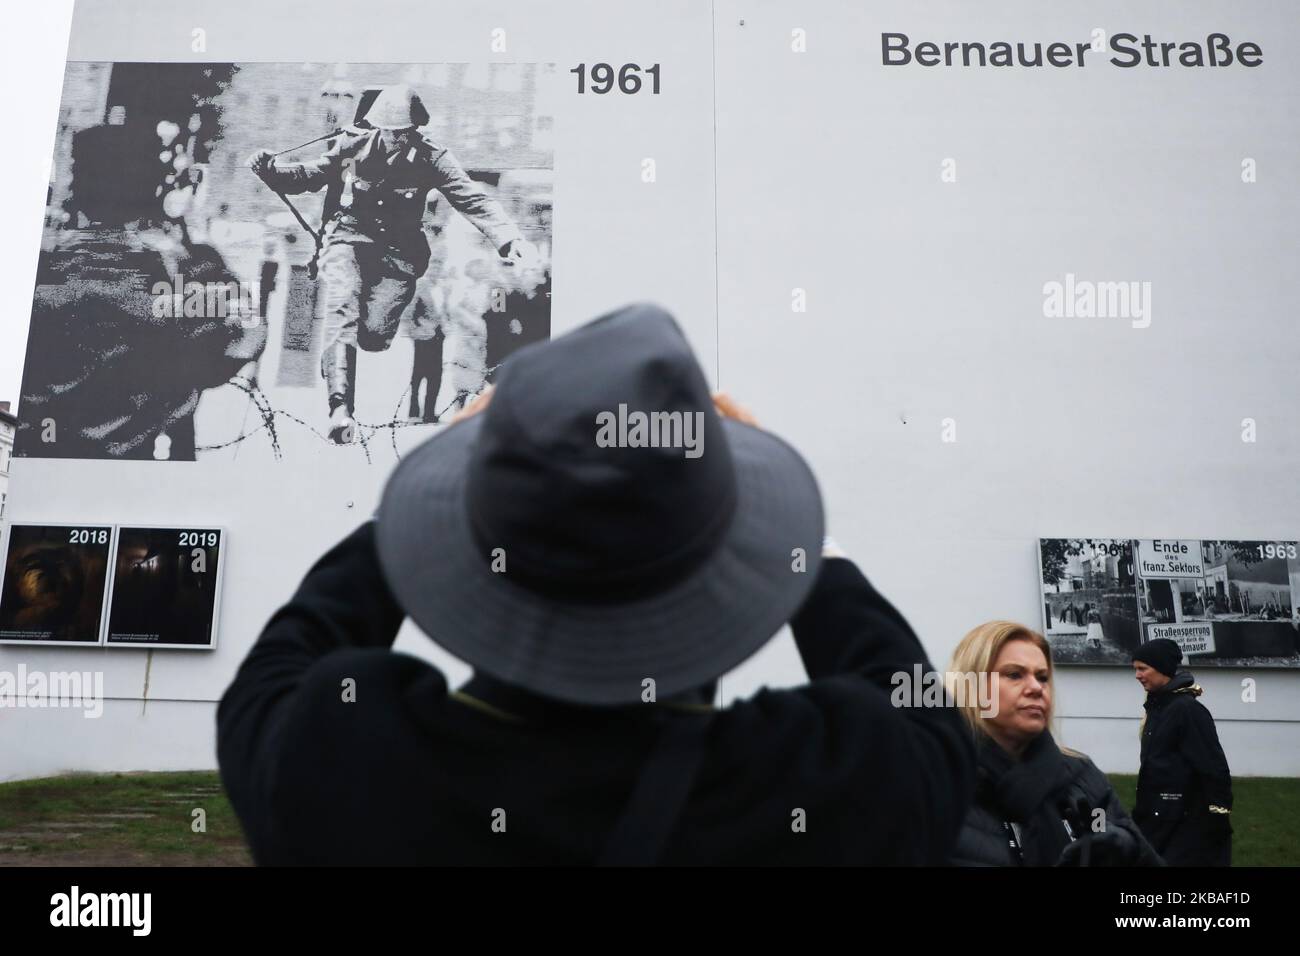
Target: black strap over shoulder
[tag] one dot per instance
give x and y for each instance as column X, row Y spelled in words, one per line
column 642, row 829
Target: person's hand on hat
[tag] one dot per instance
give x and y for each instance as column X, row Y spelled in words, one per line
column 479, row 403
column 728, row 408
column 724, row 403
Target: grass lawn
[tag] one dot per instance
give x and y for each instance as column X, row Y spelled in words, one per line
column 1265, row 818
column 119, row 819
column 146, row 819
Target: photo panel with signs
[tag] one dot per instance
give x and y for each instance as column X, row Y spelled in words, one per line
column 1089, row 601
column 166, row 587
column 54, row 583
column 1225, row 603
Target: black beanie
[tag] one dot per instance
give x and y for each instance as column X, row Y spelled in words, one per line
column 1162, row 654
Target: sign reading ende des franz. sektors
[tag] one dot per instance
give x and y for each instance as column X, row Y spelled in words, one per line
column 1170, row 559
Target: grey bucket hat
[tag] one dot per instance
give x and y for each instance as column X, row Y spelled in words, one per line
column 527, row 543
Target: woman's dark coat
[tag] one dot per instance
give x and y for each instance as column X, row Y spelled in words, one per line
column 1026, row 812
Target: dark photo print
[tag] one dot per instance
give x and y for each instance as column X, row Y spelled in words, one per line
column 54, row 579
column 253, row 259
column 166, row 587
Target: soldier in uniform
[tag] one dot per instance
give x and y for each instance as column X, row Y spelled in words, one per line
column 374, row 249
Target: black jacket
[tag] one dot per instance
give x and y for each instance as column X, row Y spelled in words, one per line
column 1026, row 812
column 1184, row 773
column 413, row 773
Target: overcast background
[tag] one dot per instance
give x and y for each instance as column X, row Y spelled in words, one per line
column 32, row 52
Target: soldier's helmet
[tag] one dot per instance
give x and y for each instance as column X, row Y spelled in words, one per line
column 397, row 107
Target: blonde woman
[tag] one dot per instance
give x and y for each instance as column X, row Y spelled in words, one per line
column 1035, row 804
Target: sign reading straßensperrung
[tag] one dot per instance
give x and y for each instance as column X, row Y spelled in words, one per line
column 1196, row 638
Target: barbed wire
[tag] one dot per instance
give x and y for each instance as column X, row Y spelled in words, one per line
column 365, row 431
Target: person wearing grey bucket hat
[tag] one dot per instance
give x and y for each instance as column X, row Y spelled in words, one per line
column 600, row 541
column 580, row 569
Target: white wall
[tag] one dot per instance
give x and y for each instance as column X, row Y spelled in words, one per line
column 925, row 303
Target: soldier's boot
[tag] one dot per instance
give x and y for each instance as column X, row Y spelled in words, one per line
column 342, row 426
column 339, row 367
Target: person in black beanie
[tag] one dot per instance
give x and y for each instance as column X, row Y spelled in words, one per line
column 1184, row 790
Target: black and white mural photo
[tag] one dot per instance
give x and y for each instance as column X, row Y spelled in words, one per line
column 1225, row 603
column 1089, row 602
column 245, row 259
